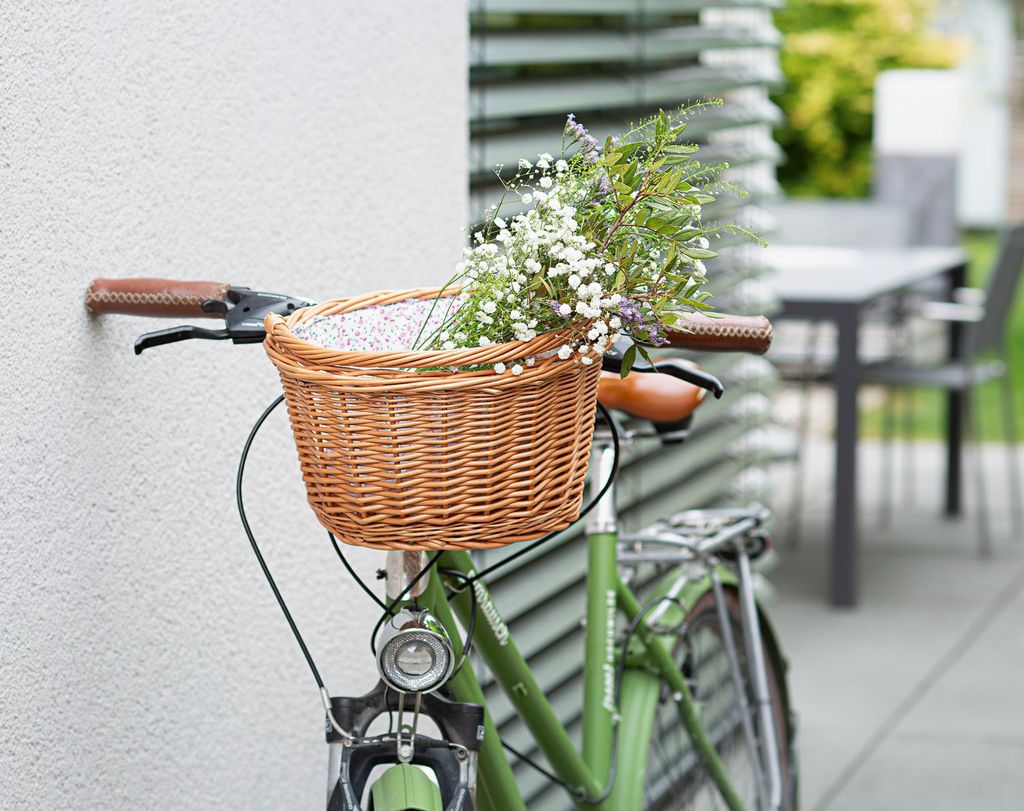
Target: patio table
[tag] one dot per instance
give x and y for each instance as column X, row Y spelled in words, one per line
column 837, row 284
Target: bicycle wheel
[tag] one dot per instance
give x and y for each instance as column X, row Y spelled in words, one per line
column 676, row 778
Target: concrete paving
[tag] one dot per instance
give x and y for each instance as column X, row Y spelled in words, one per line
column 914, row 699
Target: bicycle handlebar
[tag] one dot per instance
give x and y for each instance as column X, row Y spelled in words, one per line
column 612, row 362
column 160, row 298
column 718, row 332
column 243, row 310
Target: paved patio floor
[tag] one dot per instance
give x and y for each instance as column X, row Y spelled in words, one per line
column 915, row 699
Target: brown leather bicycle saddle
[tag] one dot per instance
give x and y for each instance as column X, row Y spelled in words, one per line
column 659, row 398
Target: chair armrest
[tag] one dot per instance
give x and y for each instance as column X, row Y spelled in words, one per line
column 952, row 311
column 973, row 296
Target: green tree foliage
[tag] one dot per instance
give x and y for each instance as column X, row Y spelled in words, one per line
column 833, row 51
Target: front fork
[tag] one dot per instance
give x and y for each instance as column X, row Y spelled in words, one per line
column 452, row 760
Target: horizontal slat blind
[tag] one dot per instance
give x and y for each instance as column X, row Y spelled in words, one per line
column 610, row 62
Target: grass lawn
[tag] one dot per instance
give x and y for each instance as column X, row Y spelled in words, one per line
column 929, row 404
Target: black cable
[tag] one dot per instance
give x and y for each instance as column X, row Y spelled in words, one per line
column 554, row 778
column 389, row 610
column 467, row 644
column 255, row 546
column 362, row 584
column 620, row 676
column 593, row 503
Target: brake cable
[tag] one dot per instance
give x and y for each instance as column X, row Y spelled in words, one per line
column 388, row 609
column 325, row 696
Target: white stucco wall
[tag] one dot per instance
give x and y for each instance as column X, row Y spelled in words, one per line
column 315, row 147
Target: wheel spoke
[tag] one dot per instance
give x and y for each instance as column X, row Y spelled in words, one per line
column 676, row 779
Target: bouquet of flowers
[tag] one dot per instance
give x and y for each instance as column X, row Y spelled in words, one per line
column 607, row 241
column 412, row 441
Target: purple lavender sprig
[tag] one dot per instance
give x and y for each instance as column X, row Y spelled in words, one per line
column 556, row 307
column 634, row 322
column 588, row 143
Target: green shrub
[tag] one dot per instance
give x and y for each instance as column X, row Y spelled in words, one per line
column 832, row 53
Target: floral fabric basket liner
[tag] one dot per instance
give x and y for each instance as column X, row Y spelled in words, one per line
column 380, row 328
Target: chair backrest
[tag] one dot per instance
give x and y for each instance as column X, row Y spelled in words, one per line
column 1002, row 289
column 839, row 223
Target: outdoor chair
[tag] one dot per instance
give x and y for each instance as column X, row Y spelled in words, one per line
column 804, row 352
column 984, row 317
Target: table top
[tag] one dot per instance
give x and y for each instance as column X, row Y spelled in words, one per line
column 808, row 274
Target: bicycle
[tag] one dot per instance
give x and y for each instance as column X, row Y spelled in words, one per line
column 685, row 707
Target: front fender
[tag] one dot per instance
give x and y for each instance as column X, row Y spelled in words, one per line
column 404, row 787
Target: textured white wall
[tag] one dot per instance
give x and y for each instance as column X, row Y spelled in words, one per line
column 315, row 147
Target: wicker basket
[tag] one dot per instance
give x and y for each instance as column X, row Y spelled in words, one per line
column 395, row 458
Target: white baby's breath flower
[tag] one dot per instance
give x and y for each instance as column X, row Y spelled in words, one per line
column 498, row 221
column 545, row 182
column 484, row 341
column 489, row 307
column 564, row 352
column 517, row 369
column 544, row 156
column 527, row 198
column 531, row 361
column 499, row 367
column 543, row 164
column 525, row 164
column 561, row 166
column 586, row 360
column 564, row 310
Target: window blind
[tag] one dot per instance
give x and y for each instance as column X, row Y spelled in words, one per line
column 610, row 62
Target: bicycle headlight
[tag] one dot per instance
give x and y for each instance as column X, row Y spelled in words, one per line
column 415, row 655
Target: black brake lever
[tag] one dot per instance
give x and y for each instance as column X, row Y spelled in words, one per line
column 175, row 334
column 611, row 361
column 243, row 311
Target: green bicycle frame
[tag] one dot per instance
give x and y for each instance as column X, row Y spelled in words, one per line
column 652, row 667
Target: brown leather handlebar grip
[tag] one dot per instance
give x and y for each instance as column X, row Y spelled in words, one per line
column 721, row 333
column 162, row 298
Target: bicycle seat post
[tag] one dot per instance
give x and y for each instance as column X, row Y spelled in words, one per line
column 603, row 518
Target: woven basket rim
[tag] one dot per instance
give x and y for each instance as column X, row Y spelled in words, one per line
column 281, row 330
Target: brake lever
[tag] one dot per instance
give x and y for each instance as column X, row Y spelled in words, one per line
column 174, row 334
column 611, row 361
column 243, row 311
